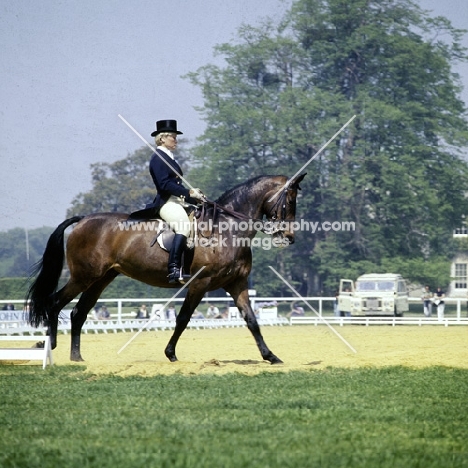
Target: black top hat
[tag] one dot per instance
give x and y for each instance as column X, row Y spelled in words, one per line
column 166, row 126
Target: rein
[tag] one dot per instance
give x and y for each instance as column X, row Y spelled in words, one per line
column 279, row 204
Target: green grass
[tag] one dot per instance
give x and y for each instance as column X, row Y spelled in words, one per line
column 389, row 417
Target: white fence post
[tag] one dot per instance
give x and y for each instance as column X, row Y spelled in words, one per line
column 119, row 310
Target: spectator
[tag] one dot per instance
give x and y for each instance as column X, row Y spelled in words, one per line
column 438, row 300
column 224, row 314
column 336, row 307
column 171, row 313
column 97, row 309
column 212, row 311
column 104, row 314
column 426, row 298
column 142, row 312
column 296, row 311
column 197, row 315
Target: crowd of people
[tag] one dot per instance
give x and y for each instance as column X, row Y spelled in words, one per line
column 101, row 312
column 170, row 313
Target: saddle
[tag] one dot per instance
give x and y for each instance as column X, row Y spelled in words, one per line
column 164, row 233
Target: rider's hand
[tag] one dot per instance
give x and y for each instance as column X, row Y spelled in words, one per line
column 197, row 194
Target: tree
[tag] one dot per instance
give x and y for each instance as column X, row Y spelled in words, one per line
column 117, row 187
column 397, row 171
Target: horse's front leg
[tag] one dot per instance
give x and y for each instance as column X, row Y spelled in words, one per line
column 182, row 320
column 242, row 301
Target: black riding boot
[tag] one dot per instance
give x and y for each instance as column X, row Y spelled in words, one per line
column 175, row 258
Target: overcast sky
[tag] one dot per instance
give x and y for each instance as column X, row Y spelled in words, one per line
column 68, row 68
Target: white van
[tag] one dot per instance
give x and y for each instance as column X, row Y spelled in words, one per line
column 374, row 294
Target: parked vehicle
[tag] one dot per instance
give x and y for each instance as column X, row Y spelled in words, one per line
column 374, row 294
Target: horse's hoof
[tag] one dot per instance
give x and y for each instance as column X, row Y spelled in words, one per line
column 170, row 354
column 275, row 360
column 76, row 358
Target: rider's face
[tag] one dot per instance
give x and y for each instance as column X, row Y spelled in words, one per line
column 170, row 142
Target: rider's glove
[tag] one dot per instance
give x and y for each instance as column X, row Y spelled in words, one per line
column 197, row 194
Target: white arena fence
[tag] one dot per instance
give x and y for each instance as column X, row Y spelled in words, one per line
column 342, row 321
column 14, row 322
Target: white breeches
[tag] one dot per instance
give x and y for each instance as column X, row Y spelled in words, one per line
column 175, row 215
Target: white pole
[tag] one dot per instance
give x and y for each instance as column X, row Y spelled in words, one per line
column 313, row 157
column 163, row 307
column 313, row 310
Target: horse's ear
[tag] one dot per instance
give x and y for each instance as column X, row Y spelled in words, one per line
column 295, row 182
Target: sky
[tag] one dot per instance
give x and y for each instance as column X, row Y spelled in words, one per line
column 70, row 68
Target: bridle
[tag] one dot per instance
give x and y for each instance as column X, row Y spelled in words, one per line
column 280, row 205
column 274, row 223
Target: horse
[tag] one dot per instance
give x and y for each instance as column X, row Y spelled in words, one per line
column 100, row 247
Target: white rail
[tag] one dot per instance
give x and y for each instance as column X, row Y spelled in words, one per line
column 342, row 321
column 132, row 325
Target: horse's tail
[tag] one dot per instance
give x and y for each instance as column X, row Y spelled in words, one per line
column 48, row 271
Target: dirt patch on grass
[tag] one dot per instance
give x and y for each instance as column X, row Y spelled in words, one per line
column 300, row 347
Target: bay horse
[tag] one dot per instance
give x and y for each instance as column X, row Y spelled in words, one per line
column 98, row 250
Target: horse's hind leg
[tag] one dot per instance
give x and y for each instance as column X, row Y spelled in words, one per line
column 59, row 300
column 240, row 294
column 183, row 318
column 80, row 312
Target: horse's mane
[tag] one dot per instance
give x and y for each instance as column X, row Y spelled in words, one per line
column 238, row 193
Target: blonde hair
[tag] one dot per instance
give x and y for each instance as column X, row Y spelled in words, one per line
column 159, row 137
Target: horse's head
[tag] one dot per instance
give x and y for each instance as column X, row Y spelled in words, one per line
column 271, row 196
column 280, row 209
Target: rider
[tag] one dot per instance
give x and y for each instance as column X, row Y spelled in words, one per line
column 172, row 196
